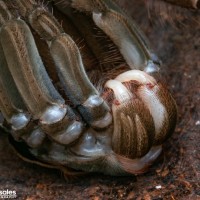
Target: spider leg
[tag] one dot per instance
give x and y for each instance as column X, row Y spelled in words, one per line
column 70, row 67
column 35, row 87
column 127, row 141
column 11, row 103
column 126, row 35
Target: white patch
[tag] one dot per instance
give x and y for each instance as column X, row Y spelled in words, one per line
column 151, row 67
column 120, row 91
column 154, row 105
column 131, row 54
column 158, row 187
column 19, row 121
column 97, row 18
column 93, row 101
column 53, row 114
column 36, row 138
column 136, row 75
column 148, row 96
column 197, row 123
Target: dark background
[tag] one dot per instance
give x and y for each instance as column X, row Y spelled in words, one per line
column 175, row 36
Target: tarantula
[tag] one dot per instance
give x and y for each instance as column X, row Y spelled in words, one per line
column 79, row 90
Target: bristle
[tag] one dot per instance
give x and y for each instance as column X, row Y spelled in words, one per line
column 111, row 55
column 100, row 76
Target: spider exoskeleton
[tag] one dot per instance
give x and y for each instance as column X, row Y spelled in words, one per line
column 78, row 87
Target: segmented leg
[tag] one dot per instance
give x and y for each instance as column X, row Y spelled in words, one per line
column 122, row 32
column 41, row 99
column 85, row 137
column 69, row 65
column 129, row 128
column 11, row 104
